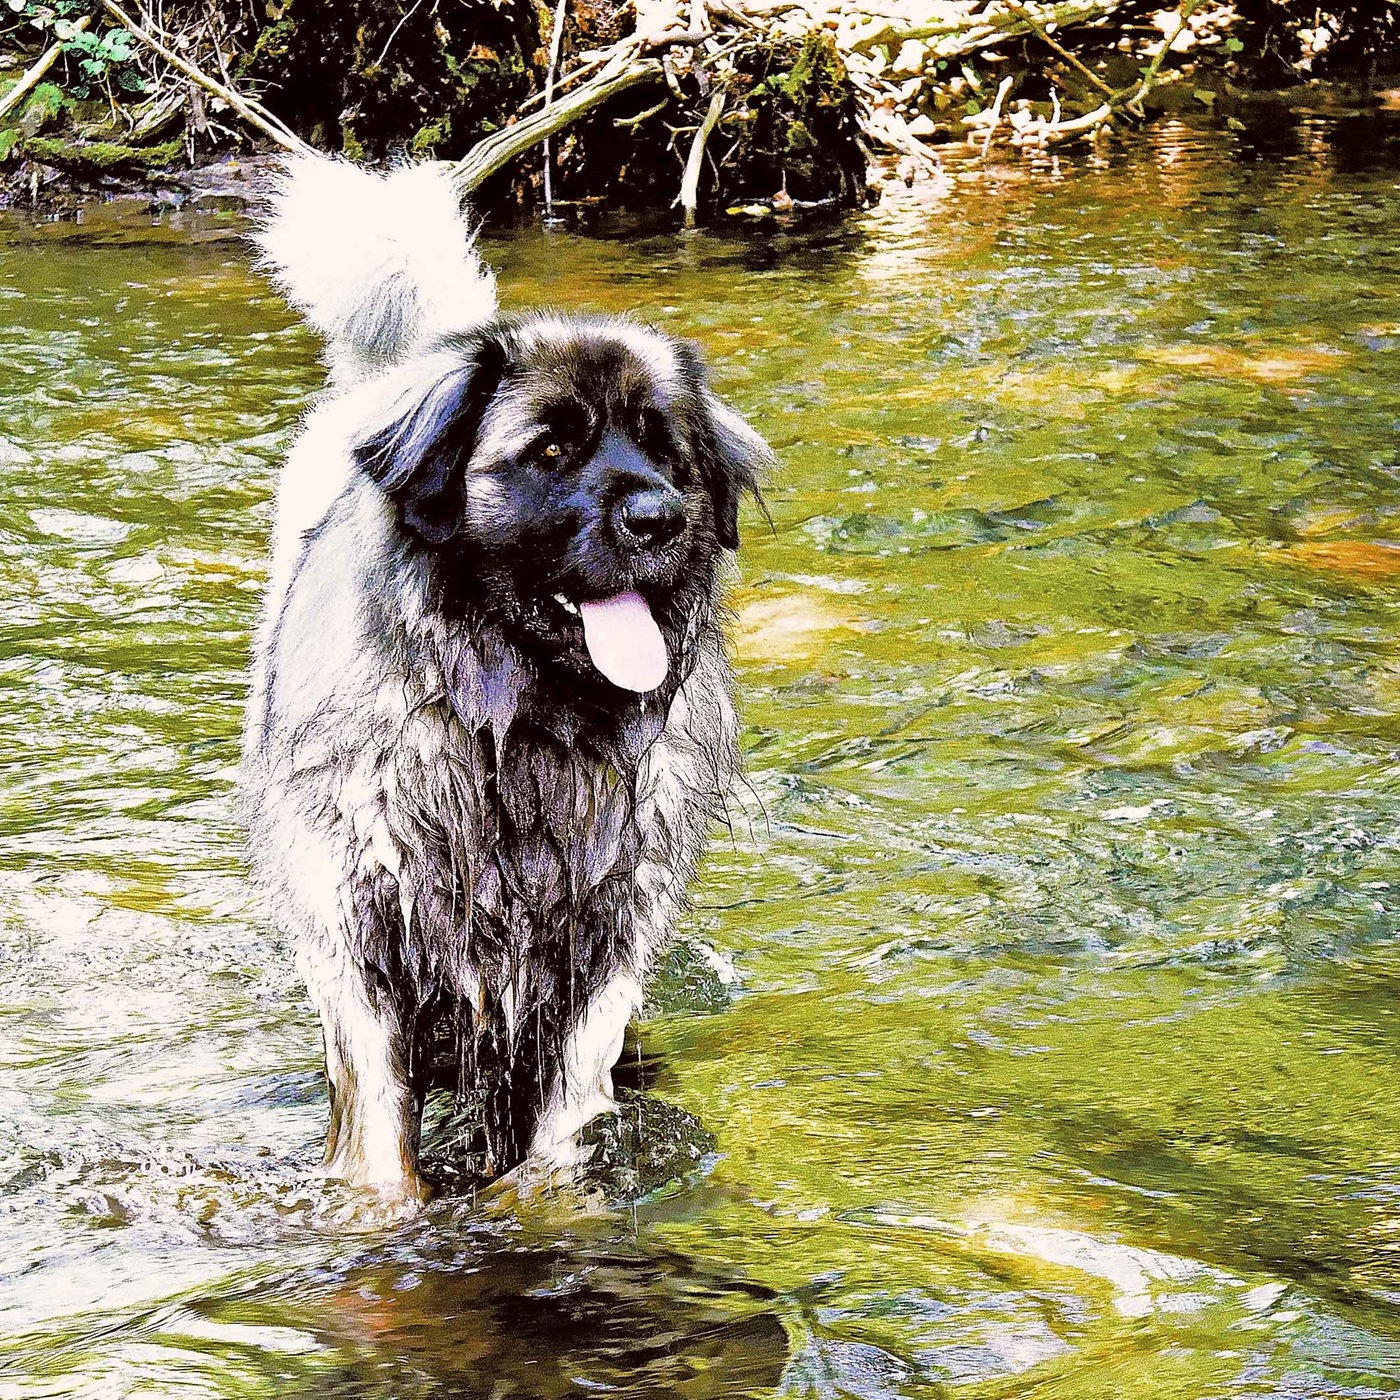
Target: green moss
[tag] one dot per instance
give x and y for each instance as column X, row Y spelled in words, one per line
column 9, row 140
column 350, row 144
column 799, row 137
column 44, row 107
column 273, row 46
column 374, row 79
column 484, row 66
column 102, row 157
column 818, row 76
column 801, row 131
column 428, row 138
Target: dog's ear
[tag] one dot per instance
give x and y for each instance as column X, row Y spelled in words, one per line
column 732, row 456
column 420, row 459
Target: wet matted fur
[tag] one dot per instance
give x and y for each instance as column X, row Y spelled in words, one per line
column 473, row 806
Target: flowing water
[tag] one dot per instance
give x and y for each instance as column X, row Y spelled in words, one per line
column 1059, row 1052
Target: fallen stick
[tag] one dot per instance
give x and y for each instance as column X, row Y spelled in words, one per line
column 947, row 39
column 1003, row 88
column 252, row 112
column 633, row 46
column 632, row 123
column 1183, row 16
column 890, row 130
column 690, row 183
column 1077, row 126
column 1049, row 41
column 501, row 147
column 555, row 44
column 29, row 79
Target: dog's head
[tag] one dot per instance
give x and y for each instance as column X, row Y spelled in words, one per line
column 574, row 482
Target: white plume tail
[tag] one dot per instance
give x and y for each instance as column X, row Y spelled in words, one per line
column 381, row 264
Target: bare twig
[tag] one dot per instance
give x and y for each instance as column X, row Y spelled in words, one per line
column 1039, row 132
column 590, row 64
column 950, row 38
column 995, row 119
column 630, row 123
column 1183, row 16
column 555, row 43
column 632, row 46
column 394, row 33
column 690, row 183
column 31, row 77
column 252, row 112
column 1051, row 43
column 890, row 130
column 1078, row 126
column 674, row 38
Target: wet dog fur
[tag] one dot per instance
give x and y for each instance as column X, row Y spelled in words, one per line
column 475, row 840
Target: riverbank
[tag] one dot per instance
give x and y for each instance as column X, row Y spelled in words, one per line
column 211, row 201
column 735, row 108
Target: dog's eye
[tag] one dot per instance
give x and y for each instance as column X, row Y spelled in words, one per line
column 551, row 451
column 655, row 435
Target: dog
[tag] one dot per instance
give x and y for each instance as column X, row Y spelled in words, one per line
column 491, row 716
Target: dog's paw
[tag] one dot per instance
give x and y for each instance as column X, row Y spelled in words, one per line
column 376, row 1205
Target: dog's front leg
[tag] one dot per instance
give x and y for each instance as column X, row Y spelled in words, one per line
column 376, row 1113
column 584, row 1088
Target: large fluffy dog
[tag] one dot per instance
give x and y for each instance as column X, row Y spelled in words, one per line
column 490, row 717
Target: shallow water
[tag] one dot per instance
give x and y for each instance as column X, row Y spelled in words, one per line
column 1062, row 1055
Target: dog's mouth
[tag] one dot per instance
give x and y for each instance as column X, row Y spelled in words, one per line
column 618, row 636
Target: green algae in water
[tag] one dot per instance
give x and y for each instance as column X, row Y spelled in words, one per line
column 1061, row 1059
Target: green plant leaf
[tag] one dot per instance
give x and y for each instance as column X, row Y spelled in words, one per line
column 116, row 44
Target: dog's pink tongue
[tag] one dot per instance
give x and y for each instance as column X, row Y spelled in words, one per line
column 624, row 642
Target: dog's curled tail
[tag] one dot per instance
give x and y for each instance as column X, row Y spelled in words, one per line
column 380, row 264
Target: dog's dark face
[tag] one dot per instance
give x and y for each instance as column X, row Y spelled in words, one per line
column 574, row 482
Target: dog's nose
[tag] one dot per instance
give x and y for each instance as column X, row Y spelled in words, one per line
column 652, row 517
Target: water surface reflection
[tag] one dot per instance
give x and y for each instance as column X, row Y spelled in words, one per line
column 1061, row 1056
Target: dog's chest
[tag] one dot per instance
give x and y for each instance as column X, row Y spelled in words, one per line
column 503, row 852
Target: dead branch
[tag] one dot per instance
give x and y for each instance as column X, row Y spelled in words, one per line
column 31, row 77
column 994, row 116
column 252, row 112
column 555, row 44
column 891, row 131
column 1038, row 133
column 501, row 147
column 951, row 39
column 690, row 183
column 1054, row 46
column 1183, row 15
column 631, row 123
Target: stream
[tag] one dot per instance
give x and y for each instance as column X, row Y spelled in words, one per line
column 1035, row 1030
